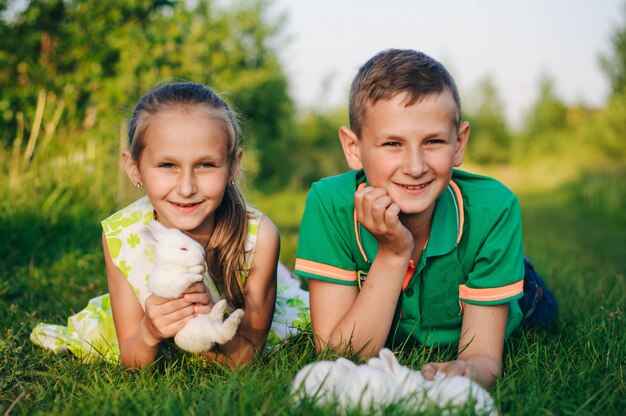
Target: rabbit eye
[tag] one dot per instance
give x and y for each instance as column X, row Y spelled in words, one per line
column 183, row 248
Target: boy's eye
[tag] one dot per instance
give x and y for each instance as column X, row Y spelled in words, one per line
column 391, row 144
column 434, row 141
column 166, row 165
column 207, row 165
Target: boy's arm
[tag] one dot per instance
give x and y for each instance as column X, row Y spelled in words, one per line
column 480, row 346
column 343, row 316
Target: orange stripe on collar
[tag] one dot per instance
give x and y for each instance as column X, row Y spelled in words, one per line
column 356, row 229
column 460, row 212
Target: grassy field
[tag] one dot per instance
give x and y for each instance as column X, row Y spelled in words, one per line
column 52, row 264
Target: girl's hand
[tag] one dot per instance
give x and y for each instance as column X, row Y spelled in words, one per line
column 379, row 215
column 451, row 368
column 165, row 317
column 198, row 294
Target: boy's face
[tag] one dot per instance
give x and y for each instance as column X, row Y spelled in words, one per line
column 409, row 151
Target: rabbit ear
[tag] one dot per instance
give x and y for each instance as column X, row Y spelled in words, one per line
column 389, row 361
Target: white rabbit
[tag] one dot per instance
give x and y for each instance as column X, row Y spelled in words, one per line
column 179, row 263
column 383, row 381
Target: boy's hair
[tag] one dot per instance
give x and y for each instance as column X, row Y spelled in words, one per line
column 393, row 71
column 225, row 251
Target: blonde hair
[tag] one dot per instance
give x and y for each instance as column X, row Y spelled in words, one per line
column 225, row 250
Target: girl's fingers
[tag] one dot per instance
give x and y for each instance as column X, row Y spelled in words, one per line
column 199, row 298
column 197, row 287
column 201, row 309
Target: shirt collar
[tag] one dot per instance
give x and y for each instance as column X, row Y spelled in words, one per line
column 447, row 226
column 445, row 232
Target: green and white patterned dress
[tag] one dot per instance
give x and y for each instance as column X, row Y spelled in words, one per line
column 90, row 334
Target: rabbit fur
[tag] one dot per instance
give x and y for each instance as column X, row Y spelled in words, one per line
column 383, row 381
column 179, row 263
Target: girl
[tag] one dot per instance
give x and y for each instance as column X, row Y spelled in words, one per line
column 184, row 148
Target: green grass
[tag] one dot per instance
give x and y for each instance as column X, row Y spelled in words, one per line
column 52, row 264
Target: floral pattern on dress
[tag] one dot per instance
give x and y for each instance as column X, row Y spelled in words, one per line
column 90, row 334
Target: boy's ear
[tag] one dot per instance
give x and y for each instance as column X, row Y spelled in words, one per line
column 461, row 143
column 350, row 144
column 131, row 168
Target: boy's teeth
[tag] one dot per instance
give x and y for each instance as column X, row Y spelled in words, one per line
column 414, row 188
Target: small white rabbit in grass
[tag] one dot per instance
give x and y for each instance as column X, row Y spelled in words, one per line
column 179, row 263
column 383, row 381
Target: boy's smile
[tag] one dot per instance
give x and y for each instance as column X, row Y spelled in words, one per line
column 409, row 151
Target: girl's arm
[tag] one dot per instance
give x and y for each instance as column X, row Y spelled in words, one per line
column 260, row 297
column 139, row 334
column 480, row 346
column 343, row 316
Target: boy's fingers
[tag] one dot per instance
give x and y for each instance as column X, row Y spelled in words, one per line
column 456, row 368
column 391, row 214
column 428, row 371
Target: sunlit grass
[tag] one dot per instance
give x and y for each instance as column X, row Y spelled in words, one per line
column 574, row 231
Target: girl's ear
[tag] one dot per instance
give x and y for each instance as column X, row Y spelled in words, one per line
column 131, row 168
column 461, row 143
column 236, row 168
column 350, row 144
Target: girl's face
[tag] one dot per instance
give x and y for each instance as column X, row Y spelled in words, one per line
column 185, row 169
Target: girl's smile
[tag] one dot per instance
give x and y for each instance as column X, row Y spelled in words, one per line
column 185, row 169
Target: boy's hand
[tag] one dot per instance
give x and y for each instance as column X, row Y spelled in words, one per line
column 379, row 215
column 451, row 368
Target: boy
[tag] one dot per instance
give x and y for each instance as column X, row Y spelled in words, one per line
column 404, row 248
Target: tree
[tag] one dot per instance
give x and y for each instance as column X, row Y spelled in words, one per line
column 614, row 65
column 491, row 139
column 97, row 58
column 548, row 112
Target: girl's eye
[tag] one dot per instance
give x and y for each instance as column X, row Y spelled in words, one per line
column 207, row 165
column 166, row 165
column 434, row 141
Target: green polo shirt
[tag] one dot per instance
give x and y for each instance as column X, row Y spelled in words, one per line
column 474, row 254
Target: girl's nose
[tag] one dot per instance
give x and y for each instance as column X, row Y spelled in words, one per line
column 187, row 184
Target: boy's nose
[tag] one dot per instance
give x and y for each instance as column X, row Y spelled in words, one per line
column 186, row 184
column 414, row 164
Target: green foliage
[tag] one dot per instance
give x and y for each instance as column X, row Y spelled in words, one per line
column 319, row 151
column 92, row 59
column 548, row 113
column 614, row 64
column 490, row 139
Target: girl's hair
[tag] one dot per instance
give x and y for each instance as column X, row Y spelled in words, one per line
column 225, row 252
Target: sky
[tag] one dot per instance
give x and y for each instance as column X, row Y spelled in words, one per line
column 514, row 42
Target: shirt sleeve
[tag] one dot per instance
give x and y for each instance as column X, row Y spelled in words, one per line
column 324, row 241
column 498, row 273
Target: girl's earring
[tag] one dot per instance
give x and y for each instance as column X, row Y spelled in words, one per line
column 233, row 182
column 138, row 185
